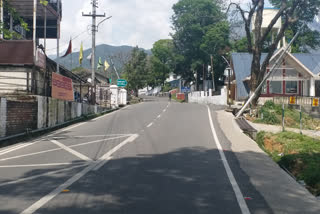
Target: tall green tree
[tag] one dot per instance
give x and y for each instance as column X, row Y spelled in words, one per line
column 216, row 43
column 136, row 71
column 162, row 62
column 192, row 20
column 291, row 13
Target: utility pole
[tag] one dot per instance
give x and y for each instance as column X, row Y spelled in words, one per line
column 94, row 16
column 1, row 17
column 213, row 86
column 58, row 36
column 34, row 30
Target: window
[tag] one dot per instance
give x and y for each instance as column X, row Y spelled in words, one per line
column 264, row 88
column 291, row 87
column 276, row 87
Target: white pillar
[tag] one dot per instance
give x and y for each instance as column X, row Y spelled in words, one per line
column 312, row 87
column 3, row 117
column 114, row 96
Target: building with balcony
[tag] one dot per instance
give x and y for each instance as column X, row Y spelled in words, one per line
column 23, row 63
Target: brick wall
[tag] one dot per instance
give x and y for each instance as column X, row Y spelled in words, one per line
column 21, row 116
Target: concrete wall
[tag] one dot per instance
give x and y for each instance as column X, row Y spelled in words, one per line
column 202, row 97
column 19, row 114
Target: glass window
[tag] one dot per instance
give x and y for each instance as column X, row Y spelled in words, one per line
column 276, row 87
column 291, row 87
column 264, row 88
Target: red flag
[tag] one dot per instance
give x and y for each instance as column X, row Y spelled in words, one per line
column 69, row 51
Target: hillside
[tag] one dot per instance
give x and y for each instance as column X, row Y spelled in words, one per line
column 120, row 55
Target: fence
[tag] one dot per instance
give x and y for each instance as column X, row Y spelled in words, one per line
column 305, row 102
column 208, row 97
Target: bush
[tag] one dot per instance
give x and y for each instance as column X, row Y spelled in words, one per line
column 269, row 117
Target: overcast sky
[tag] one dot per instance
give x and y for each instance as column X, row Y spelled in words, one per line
column 133, row 22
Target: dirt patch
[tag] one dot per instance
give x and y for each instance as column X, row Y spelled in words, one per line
column 272, row 145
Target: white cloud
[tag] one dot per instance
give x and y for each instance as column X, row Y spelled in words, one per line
column 133, row 22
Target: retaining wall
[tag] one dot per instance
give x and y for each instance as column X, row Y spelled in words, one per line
column 22, row 114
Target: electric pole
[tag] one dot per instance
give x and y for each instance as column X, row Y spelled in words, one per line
column 94, row 16
column 58, row 36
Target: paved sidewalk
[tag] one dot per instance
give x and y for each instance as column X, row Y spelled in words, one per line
column 276, row 129
column 282, row 193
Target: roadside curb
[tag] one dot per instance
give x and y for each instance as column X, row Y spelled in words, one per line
column 279, row 189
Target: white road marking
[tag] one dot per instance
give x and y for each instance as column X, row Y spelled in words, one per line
column 30, row 154
column 149, row 125
column 97, row 141
column 17, row 148
column 159, row 116
column 88, row 136
column 109, row 114
column 164, row 110
column 35, row 165
column 44, row 174
column 101, row 164
column 34, row 207
column 74, row 152
column 66, row 129
column 10, row 147
column 243, row 206
column 57, row 149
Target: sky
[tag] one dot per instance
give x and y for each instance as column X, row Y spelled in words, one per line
column 133, row 22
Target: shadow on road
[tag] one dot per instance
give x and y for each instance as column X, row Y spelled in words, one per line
column 190, row 180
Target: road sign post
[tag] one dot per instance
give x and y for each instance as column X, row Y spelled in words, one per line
column 122, row 83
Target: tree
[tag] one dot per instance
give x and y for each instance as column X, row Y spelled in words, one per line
column 191, row 22
column 290, row 12
column 216, row 43
column 4, row 27
column 136, row 70
column 162, row 62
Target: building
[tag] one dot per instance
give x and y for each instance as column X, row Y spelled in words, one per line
column 298, row 75
column 23, row 63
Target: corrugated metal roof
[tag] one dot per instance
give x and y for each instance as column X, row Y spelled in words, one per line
column 242, row 68
column 311, row 61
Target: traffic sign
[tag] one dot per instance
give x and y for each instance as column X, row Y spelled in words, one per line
column 292, row 100
column 315, row 102
column 122, row 83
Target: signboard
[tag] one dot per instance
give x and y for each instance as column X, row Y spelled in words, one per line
column 292, row 100
column 185, row 89
column 62, row 87
column 122, row 83
column 315, row 102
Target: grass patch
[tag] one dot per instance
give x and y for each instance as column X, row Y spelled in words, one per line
column 271, row 113
column 300, row 154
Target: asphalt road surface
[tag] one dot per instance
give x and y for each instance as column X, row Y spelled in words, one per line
column 157, row 157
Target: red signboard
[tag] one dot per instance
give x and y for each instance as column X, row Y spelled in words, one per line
column 62, row 87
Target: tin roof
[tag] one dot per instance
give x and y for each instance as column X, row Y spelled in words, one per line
column 242, row 67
